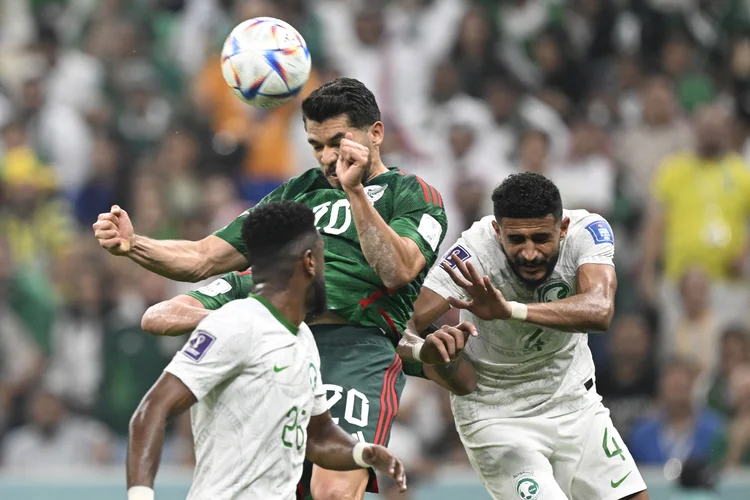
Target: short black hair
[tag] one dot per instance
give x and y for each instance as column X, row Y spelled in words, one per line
column 274, row 234
column 342, row 96
column 527, row 196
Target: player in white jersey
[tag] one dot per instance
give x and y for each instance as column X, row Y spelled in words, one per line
column 250, row 375
column 533, row 279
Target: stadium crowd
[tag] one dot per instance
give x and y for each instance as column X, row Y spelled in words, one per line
column 638, row 109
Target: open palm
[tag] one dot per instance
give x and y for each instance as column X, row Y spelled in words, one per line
column 487, row 302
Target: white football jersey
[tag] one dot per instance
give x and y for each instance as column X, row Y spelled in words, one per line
column 257, row 381
column 524, row 369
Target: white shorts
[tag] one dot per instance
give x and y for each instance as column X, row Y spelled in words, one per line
column 578, row 456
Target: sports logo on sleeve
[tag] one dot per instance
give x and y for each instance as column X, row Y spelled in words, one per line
column 197, row 346
column 215, row 288
column 601, row 232
column 431, row 230
column 459, row 251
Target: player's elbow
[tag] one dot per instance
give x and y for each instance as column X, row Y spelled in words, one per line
column 464, row 387
column 601, row 321
column 142, row 417
column 398, row 279
column 151, row 321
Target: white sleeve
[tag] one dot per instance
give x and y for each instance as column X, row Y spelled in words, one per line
column 594, row 242
column 320, row 403
column 216, row 350
column 440, row 282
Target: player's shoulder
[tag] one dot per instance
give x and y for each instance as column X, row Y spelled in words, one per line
column 306, row 180
column 404, row 181
column 481, row 232
column 588, row 227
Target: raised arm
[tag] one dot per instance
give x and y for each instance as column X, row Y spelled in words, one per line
column 397, row 260
column 176, row 316
column 168, row 397
column 330, row 447
column 182, row 314
column 179, row 260
column 392, row 250
column 590, row 310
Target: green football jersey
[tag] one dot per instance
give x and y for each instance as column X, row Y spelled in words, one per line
column 231, row 286
column 411, row 207
column 238, row 285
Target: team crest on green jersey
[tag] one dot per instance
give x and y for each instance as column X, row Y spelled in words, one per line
column 374, row 193
column 554, row 290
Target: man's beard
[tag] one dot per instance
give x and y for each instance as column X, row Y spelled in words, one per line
column 317, row 299
column 515, row 266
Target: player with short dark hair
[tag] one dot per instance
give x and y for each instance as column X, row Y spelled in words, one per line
column 533, row 279
column 381, row 229
column 250, row 374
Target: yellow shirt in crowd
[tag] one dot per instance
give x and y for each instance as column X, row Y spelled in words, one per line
column 706, row 207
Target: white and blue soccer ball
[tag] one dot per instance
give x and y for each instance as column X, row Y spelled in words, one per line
column 265, row 61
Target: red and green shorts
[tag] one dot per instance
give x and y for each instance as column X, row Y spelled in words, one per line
column 363, row 378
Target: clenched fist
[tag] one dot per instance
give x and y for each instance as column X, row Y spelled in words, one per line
column 114, row 231
column 351, row 163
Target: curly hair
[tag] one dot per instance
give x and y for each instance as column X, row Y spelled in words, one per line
column 526, row 196
column 342, row 96
column 274, row 234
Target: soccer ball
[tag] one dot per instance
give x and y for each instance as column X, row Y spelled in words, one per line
column 265, row 61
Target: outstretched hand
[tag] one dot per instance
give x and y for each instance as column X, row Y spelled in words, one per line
column 382, row 460
column 487, row 302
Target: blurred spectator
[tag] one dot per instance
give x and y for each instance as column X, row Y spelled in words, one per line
column 76, row 366
column 474, row 53
column 73, row 78
column 680, row 428
column 640, row 148
column 734, row 351
column 627, row 381
column 57, row 133
column 20, row 359
column 107, row 182
column 35, row 223
column 680, row 61
column 733, row 448
column 559, row 71
column 697, row 330
column 586, row 178
column 699, row 219
column 533, row 152
column 131, row 360
column 54, row 438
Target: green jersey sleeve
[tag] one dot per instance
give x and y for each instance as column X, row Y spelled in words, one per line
column 232, row 232
column 231, row 286
column 419, row 215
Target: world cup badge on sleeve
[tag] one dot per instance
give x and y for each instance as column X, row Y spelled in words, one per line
column 198, row 345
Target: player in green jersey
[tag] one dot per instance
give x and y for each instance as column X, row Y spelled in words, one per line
column 181, row 314
column 381, row 230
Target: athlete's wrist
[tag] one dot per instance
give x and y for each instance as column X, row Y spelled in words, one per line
column 416, row 349
column 358, row 454
column 140, row 493
column 352, row 191
column 518, row 311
